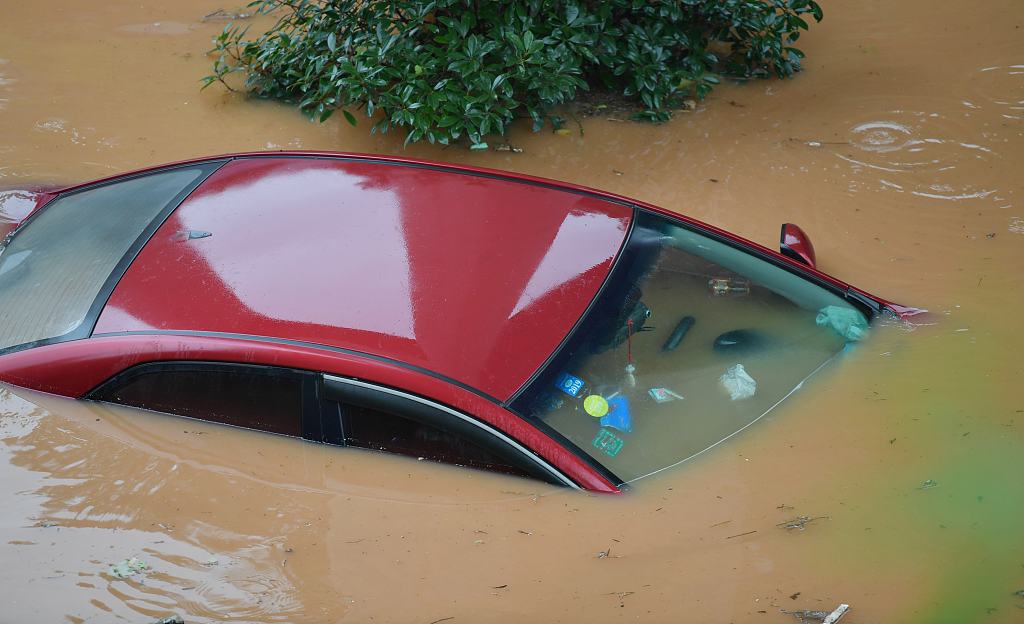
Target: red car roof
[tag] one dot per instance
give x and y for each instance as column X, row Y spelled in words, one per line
column 472, row 277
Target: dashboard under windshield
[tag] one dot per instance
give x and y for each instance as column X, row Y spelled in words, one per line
column 690, row 341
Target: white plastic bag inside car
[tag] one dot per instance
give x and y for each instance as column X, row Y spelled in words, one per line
column 738, row 383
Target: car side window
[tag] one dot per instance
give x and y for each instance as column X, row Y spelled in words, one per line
column 361, row 416
column 323, row 409
column 368, row 428
column 254, row 397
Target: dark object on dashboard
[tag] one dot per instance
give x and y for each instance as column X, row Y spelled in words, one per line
column 741, row 341
column 678, row 333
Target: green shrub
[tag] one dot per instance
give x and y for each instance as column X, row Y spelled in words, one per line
column 449, row 69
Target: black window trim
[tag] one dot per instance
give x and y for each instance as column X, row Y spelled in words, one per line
column 469, row 420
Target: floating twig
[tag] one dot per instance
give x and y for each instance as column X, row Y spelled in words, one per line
column 621, row 596
column 799, row 523
column 825, row 617
column 805, row 615
column 221, row 14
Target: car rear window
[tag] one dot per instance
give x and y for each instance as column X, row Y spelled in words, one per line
column 54, row 268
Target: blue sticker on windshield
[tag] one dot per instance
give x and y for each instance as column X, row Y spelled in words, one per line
column 618, row 415
column 569, row 384
column 608, row 443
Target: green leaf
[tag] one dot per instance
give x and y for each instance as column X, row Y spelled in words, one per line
column 479, row 146
column 572, row 11
column 349, row 117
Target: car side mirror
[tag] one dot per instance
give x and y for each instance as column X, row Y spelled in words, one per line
column 794, row 243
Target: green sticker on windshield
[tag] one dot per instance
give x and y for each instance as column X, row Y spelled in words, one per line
column 608, row 443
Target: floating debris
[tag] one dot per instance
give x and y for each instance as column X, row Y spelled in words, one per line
column 128, row 567
column 929, row 484
column 838, row 613
column 223, row 15
column 621, row 596
column 800, row 522
column 174, row 619
column 803, row 616
column 825, row 617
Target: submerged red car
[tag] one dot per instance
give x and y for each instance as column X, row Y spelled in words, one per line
column 463, row 315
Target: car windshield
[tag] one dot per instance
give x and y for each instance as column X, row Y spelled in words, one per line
column 690, row 341
column 54, row 268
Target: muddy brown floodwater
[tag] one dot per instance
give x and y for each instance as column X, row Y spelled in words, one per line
column 899, row 150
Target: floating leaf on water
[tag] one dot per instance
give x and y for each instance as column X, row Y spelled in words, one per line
column 478, row 146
